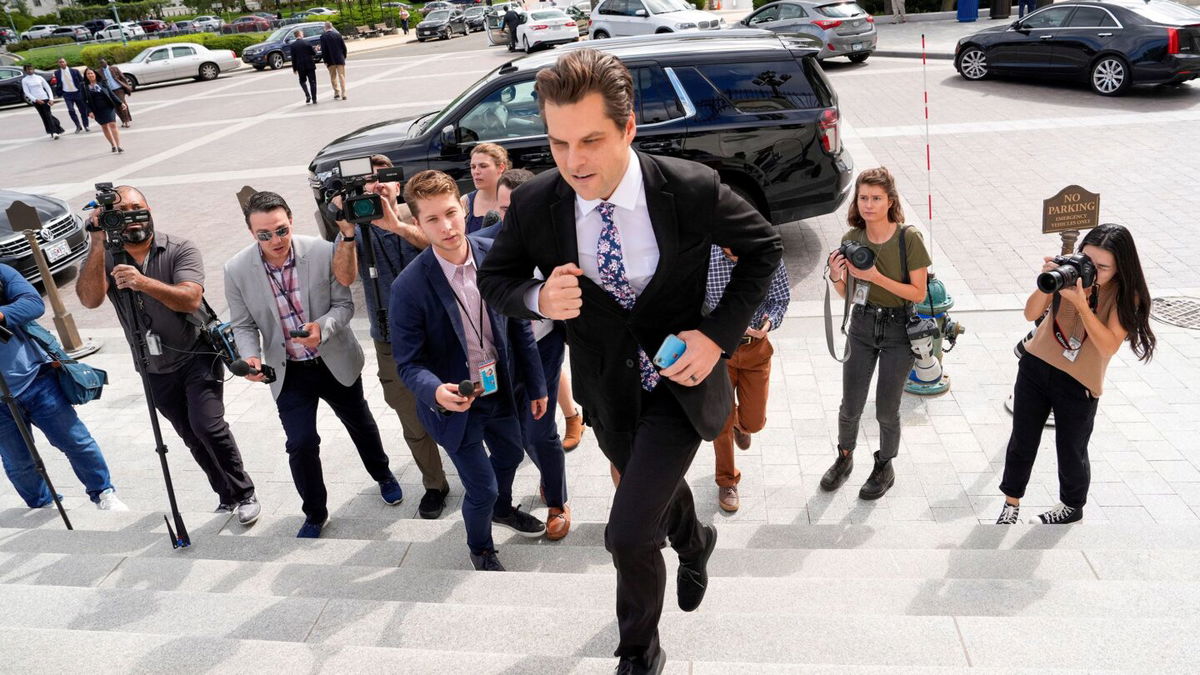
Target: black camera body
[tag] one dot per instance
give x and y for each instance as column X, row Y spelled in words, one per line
column 351, row 178
column 859, row 255
column 1071, row 268
column 113, row 221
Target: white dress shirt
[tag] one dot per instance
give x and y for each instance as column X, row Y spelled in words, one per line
column 36, row 88
column 68, row 82
column 639, row 247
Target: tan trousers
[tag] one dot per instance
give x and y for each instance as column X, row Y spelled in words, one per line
column 337, row 80
column 399, row 398
column 749, row 373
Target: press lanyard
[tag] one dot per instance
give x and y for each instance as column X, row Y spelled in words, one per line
column 1072, row 342
column 467, row 312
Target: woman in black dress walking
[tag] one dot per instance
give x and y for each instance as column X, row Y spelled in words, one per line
column 103, row 104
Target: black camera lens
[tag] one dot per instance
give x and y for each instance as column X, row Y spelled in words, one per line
column 112, row 220
column 1070, row 269
column 857, row 254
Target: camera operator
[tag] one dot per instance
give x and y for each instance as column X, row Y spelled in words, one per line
column 394, row 244
column 37, row 393
column 882, row 297
column 1085, row 308
column 186, row 376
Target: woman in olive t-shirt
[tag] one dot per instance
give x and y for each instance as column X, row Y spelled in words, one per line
column 1064, row 364
column 882, row 297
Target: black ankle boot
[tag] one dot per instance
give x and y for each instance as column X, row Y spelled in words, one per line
column 839, row 472
column 882, row 477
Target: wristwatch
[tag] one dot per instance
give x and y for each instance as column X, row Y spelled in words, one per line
column 349, row 239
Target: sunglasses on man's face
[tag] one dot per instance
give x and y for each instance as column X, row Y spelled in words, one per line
column 267, row 235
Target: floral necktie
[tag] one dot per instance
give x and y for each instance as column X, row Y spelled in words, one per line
column 611, row 263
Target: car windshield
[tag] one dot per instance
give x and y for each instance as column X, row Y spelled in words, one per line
column 142, row 55
column 280, row 35
column 667, row 6
column 474, row 11
column 842, row 10
column 440, row 15
column 547, row 14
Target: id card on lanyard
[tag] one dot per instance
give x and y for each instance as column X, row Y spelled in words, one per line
column 489, row 383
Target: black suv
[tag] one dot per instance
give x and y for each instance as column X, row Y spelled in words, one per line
column 753, row 105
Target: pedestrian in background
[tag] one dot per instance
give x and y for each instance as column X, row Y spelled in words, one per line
column 37, row 91
column 68, row 85
column 103, row 106
column 404, row 16
column 488, row 162
column 898, row 11
column 1024, row 6
column 121, row 87
column 333, row 51
column 304, row 64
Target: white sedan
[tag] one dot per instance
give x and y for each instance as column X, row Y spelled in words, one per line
column 546, row 27
column 177, row 61
column 113, row 32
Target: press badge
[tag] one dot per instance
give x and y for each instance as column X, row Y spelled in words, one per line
column 487, row 378
column 861, row 291
column 1072, row 353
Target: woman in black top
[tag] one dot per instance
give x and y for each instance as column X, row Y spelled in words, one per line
column 103, row 104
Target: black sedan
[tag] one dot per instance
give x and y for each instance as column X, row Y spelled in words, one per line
column 443, row 23
column 61, row 236
column 475, row 18
column 1112, row 45
column 10, row 84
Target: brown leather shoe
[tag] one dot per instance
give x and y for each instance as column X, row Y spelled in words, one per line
column 574, row 433
column 558, row 523
column 727, row 497
column 741, row 438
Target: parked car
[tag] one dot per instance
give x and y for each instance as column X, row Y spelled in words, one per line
column 322, row 11
column 152, row 25
column 706, row 96
column 844, row 28
column 209, row 23
column 177, row 61
column 247, row 24
column 615, row 18
column 114, row 32
column 443, row 24
column 545, row 28
column 397, row 5
column 61, row 238
column 76, row 33
column 10, row 83
column 475, row 18
column 1111, row 45
column 276, row 50
column 185, row 26
column 581, row 14
column 39, row 31
column 97, row 25
column 437, row 4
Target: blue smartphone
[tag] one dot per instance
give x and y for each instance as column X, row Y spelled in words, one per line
column 672, row 348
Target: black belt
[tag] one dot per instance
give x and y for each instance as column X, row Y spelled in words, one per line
column 897, row 313
column 311, row 363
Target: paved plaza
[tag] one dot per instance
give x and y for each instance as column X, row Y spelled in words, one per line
column 944, row 578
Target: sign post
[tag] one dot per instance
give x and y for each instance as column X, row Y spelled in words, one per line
column 1067, row 213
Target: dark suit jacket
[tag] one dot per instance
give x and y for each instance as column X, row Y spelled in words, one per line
column 690, row 210
column 304, row 57
column 120, row 78
column 101, row 100
column 75, row 76
column 333, row 48
column 429, row 344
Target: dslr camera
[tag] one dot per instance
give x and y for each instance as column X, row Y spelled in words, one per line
column 857, row 254
column 349, row 182
column 1071, row 268
column 113, row 221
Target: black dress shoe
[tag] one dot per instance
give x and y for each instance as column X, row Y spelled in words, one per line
column 692, row 579
column 634, row 665
column 433, row 503
column 839, row 472
column 520, row 522
column 486, row 562
column 882, row 477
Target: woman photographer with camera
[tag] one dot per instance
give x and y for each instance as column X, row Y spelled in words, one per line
column 1062, row 370
column 882, row 295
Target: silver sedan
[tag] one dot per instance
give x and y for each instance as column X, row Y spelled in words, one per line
column 844, row 28
column 177, row 61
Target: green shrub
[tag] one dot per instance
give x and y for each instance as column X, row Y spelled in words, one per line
column 237, row 43
column 46, row 58
column 26, row 45
column 118, row 53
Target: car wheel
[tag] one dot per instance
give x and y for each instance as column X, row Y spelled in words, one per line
column 133, row 81
column 208, row 71
column 275, row 60
column 858, row 58
column 972, row 64
column 661, row 31
column 600, row 35
column 525, row 44
column 1111, row 76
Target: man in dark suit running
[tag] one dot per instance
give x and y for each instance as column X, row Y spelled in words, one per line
column 623, row 241
column 304, row 64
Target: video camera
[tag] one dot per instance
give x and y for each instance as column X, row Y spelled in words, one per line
column 219, row 336
column 113, row 221
column 350, row 180
column 1070, row 268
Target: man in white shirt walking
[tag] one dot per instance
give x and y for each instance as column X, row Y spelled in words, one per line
column 37, row 91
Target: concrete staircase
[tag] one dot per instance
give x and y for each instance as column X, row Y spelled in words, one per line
column 397, row 595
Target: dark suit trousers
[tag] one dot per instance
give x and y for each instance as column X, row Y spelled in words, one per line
column 49, row 121
column 73, row 101
column 308, row 82
column 542, row 441
column 304, row 384
column 124, row 113
column 191, row 398
column 487, row 476
column 652, row 504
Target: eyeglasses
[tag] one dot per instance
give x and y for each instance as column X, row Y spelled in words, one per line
column 269, row 235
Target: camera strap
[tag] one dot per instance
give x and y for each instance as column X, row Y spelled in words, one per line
column 829, row 317
column 1059, row 334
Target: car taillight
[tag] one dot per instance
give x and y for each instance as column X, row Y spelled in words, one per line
column 1172, row 40
column 570, row 23
column 831, row 140
column 540, row 27
column 870, row 19
column 826, row 24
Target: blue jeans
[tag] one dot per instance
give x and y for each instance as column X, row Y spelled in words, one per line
column 45, row 406
column 487, row 475
column 1023, row 4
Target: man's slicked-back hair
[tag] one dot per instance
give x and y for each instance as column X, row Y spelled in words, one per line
column 265, row 202
column 428, row 184
column 514, row 178
column 579, row 73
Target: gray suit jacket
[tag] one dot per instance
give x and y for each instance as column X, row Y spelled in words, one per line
column 253, row 312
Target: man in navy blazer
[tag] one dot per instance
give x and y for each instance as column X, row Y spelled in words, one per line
column 461, row 360
column 68, row 85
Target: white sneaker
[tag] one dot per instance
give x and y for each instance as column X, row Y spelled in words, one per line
column 110, row 502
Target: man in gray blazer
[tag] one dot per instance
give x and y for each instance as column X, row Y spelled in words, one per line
column 282, row 289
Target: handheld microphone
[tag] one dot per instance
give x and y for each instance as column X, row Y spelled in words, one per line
column 491, row 218
column 242, row 369
column 299, row 333
column 466, row 389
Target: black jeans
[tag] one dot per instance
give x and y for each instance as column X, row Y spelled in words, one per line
column 49, row 121
column 305, row 384
column 1041, row 388
column 191, row 398
column 308, row 82
column 876, row 335
column 653, row 504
